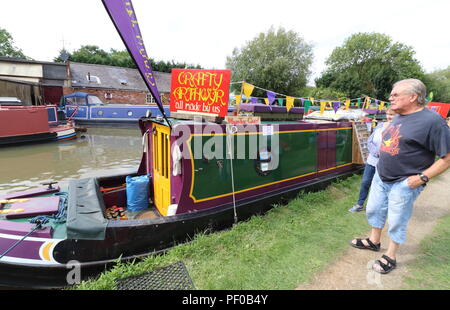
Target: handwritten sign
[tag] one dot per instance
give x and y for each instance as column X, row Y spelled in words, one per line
column 243, row 120
column 200, row 91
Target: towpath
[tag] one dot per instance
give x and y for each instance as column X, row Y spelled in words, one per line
column 351, row 271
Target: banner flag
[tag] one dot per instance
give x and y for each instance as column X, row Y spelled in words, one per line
column 271, row 96
column 248, row 89
column 347, row 104
column 254, row 100
column 238, row 99
column 306, row 105
column 266, row 101
column 322, row 106
column 311, row 100
column 359, row 103
column 381, row 106
column 367, row 103
column 289, row 102
column 124, row 18
column 280, row 101
column 336, row 105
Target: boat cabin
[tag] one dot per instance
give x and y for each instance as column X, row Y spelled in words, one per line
column 86, row 108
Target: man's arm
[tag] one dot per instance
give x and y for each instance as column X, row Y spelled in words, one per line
column 435, row 169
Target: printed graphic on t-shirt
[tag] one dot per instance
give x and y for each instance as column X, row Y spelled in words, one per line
column 390, row 140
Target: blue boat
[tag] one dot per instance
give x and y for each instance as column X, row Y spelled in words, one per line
column 88, row 109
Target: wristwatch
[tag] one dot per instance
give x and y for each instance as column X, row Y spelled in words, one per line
column 423, row 177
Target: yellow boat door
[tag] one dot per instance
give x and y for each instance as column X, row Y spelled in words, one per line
column 161, row 167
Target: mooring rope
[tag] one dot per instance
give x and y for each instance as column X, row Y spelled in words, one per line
column 39, row 222
column 232, row 130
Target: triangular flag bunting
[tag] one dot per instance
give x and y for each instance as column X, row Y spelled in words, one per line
column 347, row 104
column 306, row 105
column 271, row 96
column 336, row 105
column 238, row 99
column 248, row 89
column 322, row 106
column 289, row 103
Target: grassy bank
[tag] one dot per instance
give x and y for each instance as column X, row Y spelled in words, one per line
column 431, row 269
column 280, row 250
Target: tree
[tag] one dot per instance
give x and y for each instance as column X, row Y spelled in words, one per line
column 278, row 60
column 369, row 64
column 438, row 82
column 7, row 47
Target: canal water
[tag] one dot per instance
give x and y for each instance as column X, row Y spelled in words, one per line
column 97, row 152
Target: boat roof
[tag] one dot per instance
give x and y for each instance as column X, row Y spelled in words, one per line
column 79, row 94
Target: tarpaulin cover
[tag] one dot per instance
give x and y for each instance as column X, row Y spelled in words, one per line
column 85, row 218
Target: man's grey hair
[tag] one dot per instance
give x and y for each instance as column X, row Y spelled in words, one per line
column 416, row 87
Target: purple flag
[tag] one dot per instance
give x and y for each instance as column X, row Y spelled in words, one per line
column 271, row 96
column 336, row 105
column 254, row 100
column 124, row 18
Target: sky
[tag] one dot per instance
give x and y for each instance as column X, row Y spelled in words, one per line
column 206, row 32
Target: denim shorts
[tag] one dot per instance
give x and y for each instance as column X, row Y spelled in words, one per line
column 393, row 201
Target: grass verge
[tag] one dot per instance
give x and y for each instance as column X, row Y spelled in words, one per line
column 279, row 250
column 431, row 269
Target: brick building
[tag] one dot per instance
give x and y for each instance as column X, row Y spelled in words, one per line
column 115, row 84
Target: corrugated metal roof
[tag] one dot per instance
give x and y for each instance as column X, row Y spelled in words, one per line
column 110, row 77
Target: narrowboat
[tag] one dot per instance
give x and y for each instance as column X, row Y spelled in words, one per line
column 45, row 232
column 88, row 109
column 29, row 124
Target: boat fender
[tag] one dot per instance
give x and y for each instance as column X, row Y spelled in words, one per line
column 172, row 210
column 176, row 158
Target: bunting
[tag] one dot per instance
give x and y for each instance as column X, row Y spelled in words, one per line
column 322, row 106
column 248, row 89
column 270, row 96
column 289, row 102
column 306, row 105
column 306, row 102
column 336, row 105
column 238, row 99
column 347, row 104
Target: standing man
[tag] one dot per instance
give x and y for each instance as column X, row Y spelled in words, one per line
column 407, row 161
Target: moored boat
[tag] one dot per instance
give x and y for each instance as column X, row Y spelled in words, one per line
column 88, row 109
column 91, row 223
column 28, row 124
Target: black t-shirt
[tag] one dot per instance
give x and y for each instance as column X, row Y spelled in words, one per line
column 411, row 143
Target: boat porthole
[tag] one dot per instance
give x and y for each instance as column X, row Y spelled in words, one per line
column 100, row 113
column 130, row 113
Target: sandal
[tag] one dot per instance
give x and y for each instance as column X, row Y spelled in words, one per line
column 371, row 246
column 391, row 264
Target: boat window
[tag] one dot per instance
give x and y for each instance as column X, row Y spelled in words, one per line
column 94, row 100
column 100, row 113
column 75, row 100
column 130, row 113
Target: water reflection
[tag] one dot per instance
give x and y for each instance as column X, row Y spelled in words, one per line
column 97, row 152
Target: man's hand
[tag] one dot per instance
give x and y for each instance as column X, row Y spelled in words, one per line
column 414, row 181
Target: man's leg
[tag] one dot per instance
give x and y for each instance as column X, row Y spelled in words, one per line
column 401, row 201
column 377, row 209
